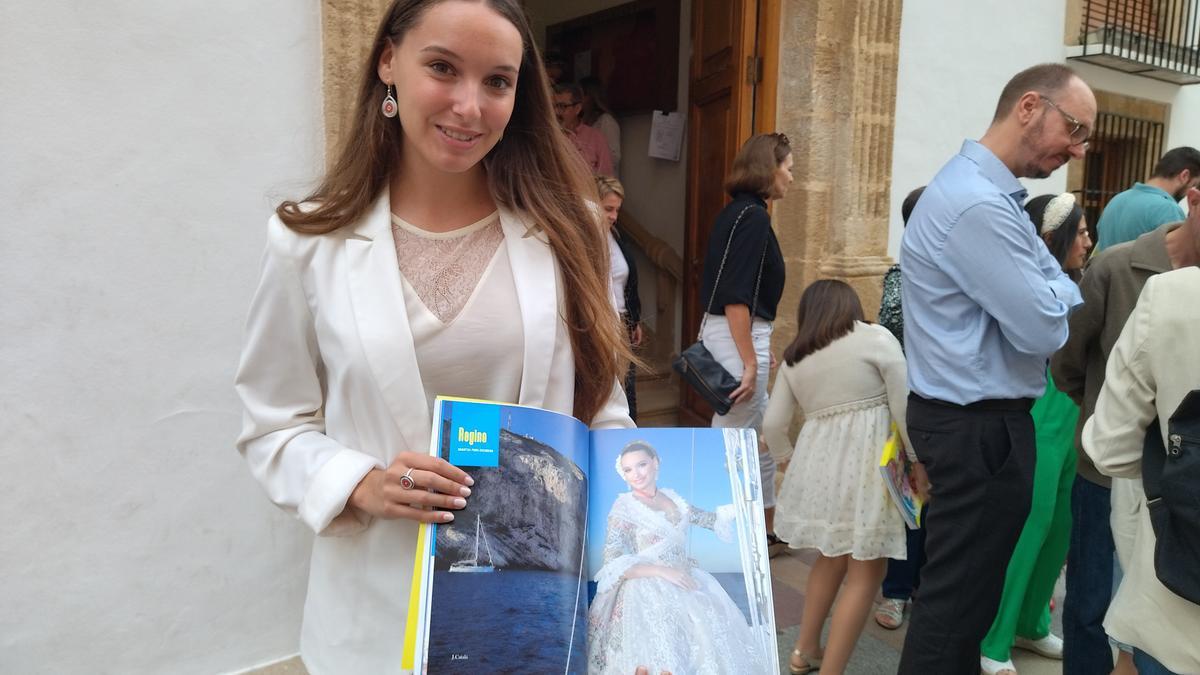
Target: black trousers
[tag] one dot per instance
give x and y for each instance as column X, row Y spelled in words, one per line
column 980, row 460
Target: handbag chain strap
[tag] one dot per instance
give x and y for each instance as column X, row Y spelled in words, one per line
column 721, row 268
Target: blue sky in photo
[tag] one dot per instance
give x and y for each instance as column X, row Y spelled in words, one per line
column 692, row 463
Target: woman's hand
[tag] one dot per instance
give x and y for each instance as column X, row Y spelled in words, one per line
column 438, row 485
column 745, row 390
column 636, row 335
column 680, row 578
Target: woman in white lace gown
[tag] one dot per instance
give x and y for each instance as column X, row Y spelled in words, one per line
column 849, row 379
column 654, row 607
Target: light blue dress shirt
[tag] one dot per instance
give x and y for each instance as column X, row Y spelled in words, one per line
column 984, row 302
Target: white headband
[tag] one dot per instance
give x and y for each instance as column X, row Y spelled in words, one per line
column 623, row 452
column 1057, row 211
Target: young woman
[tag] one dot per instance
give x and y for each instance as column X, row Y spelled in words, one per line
column 448, row 251
column 1023, row 617
column 653, row 605
column 740, row 306
column 622, row 276
column 849, row 379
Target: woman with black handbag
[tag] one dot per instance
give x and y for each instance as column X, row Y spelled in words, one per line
column 742, row 283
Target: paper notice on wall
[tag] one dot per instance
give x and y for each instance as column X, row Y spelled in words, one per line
column 666, row 135
column 583, row 64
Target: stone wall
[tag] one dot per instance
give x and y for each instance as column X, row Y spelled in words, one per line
column 837, row 93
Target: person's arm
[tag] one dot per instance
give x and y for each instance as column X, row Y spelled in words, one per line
column 612, row 136
column 739, row 327
column 889, row 360
column 781, row 407
column 304, row 472
column 279, row 380
column 1114, row 434
column 995, row 258
column 735, row 283
column 615, row 413
column 1068, row 365
column 604, row 160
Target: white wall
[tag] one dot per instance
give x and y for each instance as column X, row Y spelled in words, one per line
column 954, row 60
column 143, row 147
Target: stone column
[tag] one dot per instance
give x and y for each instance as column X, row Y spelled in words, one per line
column 347, row 28
column 837, row 97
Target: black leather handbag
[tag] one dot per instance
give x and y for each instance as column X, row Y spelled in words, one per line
column 696, row 364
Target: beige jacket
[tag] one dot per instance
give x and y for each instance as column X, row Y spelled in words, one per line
column 331, row 388
column 1154, row 364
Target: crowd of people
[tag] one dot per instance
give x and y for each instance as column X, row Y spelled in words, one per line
column 477, row 196
column 997, row 330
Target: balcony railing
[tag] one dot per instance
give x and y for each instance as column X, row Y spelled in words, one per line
column 1154, row 38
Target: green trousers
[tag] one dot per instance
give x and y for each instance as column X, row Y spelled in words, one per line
column 1042, row 548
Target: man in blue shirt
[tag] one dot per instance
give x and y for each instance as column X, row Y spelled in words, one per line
column 985, row 305
column 1145, row 206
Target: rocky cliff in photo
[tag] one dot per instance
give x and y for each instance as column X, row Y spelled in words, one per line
column 532, row 508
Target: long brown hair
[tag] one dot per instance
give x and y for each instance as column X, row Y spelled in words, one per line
column 532, row 170
column 828, row 310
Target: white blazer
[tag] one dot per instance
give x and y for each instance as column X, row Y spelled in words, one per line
column 1153, row 365
column 331, row 389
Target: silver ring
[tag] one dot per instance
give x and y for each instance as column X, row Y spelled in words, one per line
column 406, row 481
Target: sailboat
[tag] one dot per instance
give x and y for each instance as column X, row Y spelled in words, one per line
column 472, row 564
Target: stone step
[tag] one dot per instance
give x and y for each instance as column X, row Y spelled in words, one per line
column 658, row 399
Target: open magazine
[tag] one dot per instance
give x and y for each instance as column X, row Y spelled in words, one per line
column 593, row 551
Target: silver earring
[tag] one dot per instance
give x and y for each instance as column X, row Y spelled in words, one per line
column 389, row 103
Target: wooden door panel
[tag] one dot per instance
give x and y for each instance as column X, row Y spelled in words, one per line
column 720, row 114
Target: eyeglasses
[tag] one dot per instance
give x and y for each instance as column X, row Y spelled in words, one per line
column 564, row 106
column 1079, row 131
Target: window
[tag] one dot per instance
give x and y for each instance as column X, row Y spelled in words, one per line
column 1123, row 150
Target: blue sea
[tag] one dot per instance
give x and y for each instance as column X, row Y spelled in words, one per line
column 509, row 621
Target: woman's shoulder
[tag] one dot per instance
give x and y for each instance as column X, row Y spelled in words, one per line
column 879, row 341
column 747, row 212
column 864, row 330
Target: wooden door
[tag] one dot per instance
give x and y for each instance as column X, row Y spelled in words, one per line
column 729, row 52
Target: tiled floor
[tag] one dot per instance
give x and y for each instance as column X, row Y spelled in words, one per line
column 877, row 653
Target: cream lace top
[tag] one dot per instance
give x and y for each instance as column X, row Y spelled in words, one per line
column 463, row 309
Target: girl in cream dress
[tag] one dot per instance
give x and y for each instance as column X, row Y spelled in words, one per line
column 849, row 380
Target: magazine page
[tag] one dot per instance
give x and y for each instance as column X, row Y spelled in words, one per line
column 506, row 589
column 678, row 576
column 897, row 472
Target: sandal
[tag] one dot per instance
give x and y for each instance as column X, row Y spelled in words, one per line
column 993, row 667
column 890, row 613
column 775, row 545
column 808, row 664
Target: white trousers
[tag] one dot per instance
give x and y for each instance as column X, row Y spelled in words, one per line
column 749, row 413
